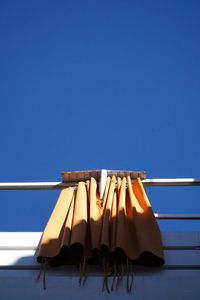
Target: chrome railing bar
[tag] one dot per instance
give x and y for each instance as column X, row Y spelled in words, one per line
column 172, row 182
column 177, row 216
column 59, row 184
column 36, row 248
column 32, row 185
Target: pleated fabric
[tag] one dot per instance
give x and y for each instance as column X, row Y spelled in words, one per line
column 120, row 228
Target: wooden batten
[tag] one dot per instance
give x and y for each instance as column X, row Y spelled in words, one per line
column 85, row 175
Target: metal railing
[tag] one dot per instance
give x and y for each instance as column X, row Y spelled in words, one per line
column 147, row 182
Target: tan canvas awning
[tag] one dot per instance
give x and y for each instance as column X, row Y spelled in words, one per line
column 119, row 230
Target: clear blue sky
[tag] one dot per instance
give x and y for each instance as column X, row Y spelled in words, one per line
column 98, row 84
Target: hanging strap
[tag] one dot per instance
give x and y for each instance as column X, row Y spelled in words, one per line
column 105, row 275
column 83, row 271
column 129, row 274
column 43, row 268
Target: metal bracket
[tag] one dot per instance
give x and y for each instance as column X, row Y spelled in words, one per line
column 102, row 182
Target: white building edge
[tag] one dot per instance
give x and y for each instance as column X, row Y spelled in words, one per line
column 178, row 279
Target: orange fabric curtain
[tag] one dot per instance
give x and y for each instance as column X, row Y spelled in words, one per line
column 120, row 228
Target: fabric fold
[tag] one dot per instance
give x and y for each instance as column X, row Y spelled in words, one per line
column 120, row 228
column 52, row 237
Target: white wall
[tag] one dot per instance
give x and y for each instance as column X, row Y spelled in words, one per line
column 178, row 279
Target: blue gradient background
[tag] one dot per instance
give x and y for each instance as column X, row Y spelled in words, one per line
column 98, row 84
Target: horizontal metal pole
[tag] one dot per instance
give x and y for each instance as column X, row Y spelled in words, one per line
column 177, row 216
column 172, row 182
column 98, row 272
column 31, row 185
column 59, row 184
column 35, row 248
